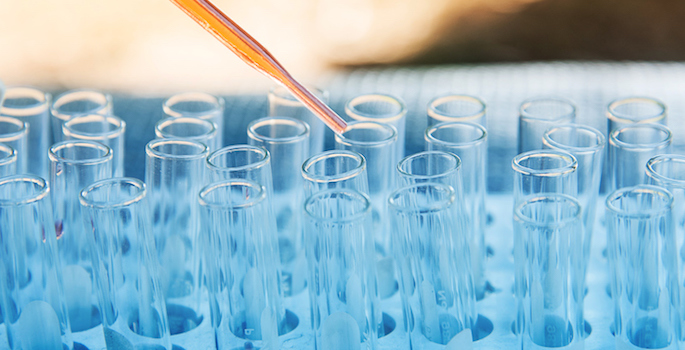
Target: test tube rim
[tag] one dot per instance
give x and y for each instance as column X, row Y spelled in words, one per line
column 382, row 118
column 254, row 201
column 11, row 154
column 615, row 141
column 552, row 172
column 132, row 182
column 364, row 212
column 217, row 101
column 434, row 113
column 120, row 127
column 640, row 214
column 42, row 191
column 430, row 138
column 59, row 102
column 523, row 114
column 53, row 155
column 213, row 128
column 15, row 135
column 341, row 139
column 518, row 211
column 438, row 206
column 328, row 155
column 599, row 137
column 299, row 137
column 651, row 171
column 622, row 118
column 153, row 152
column 425, row 153
column 281, row 94
column 265, row 160
column 42, row 102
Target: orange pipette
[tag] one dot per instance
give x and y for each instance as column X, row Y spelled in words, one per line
column 255, row 55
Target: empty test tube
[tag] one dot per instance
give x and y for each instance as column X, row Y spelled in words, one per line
column 456, row 108
column 108, row 130
column 544, row 171
column 33, row 300
column 436, row 281
column 539, row 114
column 287, row 140
column 75, row 164
column 77, row 102
column 335, row 169
column 33, row 107
column 630, row 147
column 14, row 133
column 632, row 110
column 8, row 160
column 283, row 104
column 240, row 162
column 342, row 271
column 241, row 265
column 198, row 105
column 381, row 108
column 192, row 129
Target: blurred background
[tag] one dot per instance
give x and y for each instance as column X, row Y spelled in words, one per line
column 151, row 48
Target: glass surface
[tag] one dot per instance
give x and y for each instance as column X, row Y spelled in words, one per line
column 108, row 130
column 283, row 104
column 74, row 103
column 335, row 169
column 456, row 108
column 544, row 171
column 631, row 110
column 539, row 114
column 8, row 160
column 380, row 108
column 198, row 105
column 630, row 148
column 14, row 133
column 193, row 129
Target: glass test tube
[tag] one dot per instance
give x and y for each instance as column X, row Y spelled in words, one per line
column 33, row 303
column 381, row 108
column 456, row 108
column 283, row 104
column 630, row 147
column 198, row 105
column 544, row 171
column 436, row 279
column 108, row 130
column 32, row 106
column 549, row 285
column 241, row 265
column 8, row 160
column 14, row 133
column 125, row 266
column 586, row 144
column 174, row 174
column 342, row 271
column 75, row 164
column 335, row 169
column 287, row 140
column 469, row 142
column 74, row 103
column 193, row 129
column 240, row 162
column 538, row 115
column 642, row 256
column 632, row 110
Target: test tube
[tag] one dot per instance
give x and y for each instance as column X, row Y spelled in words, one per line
column 549, row 282
column 468, row 141
column 632, row 110
column 544, row 171
column 33, row 303
column 642, row 258
column 586, row 144
column 287, row 140
column 335, row 169
column 31, row 106
column 456, row 108
column 342, row 271
column 437, row 289
column 539, row 114
column 198, row 105
column 174, row 174
column 14, row 133
column 381, row 108
column 8, row 160
column 630, row 147
column 283, row 104
column 74, row 103
column 108, row 130
column 240, row 162
column 193, row 129
column 75, row 164
column 125, row 266
column 241, row 265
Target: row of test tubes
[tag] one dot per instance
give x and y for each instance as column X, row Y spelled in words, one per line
column 231, row 237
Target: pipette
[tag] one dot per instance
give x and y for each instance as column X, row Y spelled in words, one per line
column 254, row 54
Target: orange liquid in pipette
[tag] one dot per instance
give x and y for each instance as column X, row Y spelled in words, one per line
column 254, row 54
